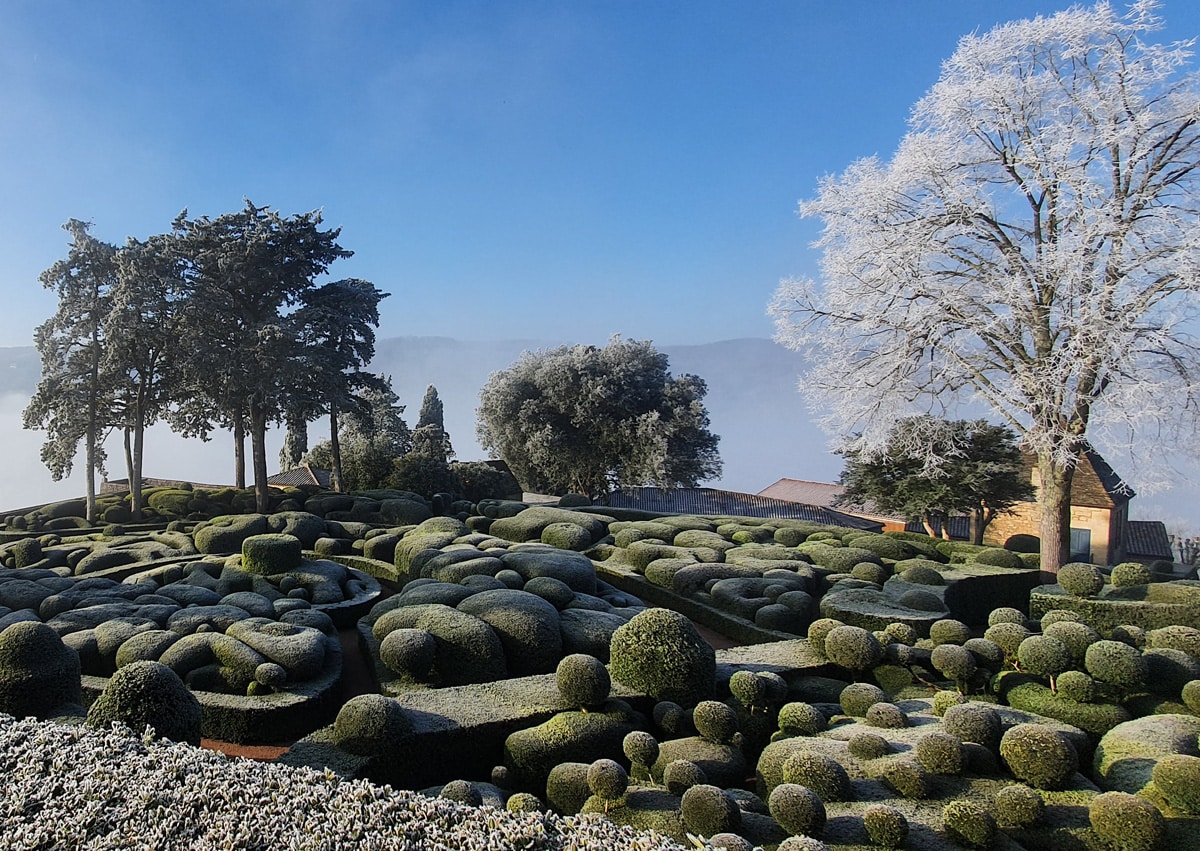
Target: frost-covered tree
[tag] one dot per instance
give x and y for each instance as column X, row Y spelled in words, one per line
column 430, row 437
column 1032, row 243
column 585, row 419
column 373, row 434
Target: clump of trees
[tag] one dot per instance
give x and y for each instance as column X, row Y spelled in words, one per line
column 587, row 419
column 931, row 469
column 1031, row 243
column 217, row 324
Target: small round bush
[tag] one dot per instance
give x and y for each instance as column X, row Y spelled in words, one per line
column 886, row 716
column 823, row 774
column 954, row 662
column 1177, row 777
column 866, row 745
column 818, row 629
column 973, row 722
column 922, row 601
column 868, row 572
column 523, row 802
column 908, row 778
column 1044, row 656
column 969, row 823
column 730, row 842
column 462, row 791
column 886, row 826
column 1056, row 615
column 802, row 843
column 1128, row 822
column 1007, row 614
column 1080, row 580
column 1190, row 695
column 921, row 574
column 372, row 725
column 1008, row 636
column 640, row 748
column 1019, row 806
column 797, row 809
column 801, row 719
column 857, row 698
column 672, row 718
column 1176, row 637
column 748, row 689
column 949, row 631
column 715, row 721
column 1130, row 634
column 1169, row 670
column 1076, row 686
column 1129, row 573
column 902, row 632
column 853, row 648
column 409, row 652
column 940, row 753
column 1076, row 636
column 148, row 694
column 660, row 653
column 943, row 700
column 607, row 779
column 1039, row 756
column 582, row 680
column 706, row 810
column 679, row 775
column 271, row 554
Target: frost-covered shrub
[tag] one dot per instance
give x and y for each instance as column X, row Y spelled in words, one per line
column 1019, row 806
column 372, row 725
column 1128, row 822
column 707, row 810
column 148, row 694
column 853, row 648
column 797, row 809
column 582, row 680
column 973, row 722
column 1080, row 579
column 866, row 745
column 857, row 698
column 940, row 753
column 823, row 774
column 801, row 719
column 660, row 653
column 1177, row 777
column 1039, row 756
column 908, row 778
column 886, row 716
column 954, row 662
column 969, row 823
column 885, row 825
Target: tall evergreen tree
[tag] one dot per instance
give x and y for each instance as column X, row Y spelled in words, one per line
column 430, row 437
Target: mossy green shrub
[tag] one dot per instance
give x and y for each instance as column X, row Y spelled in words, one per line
column 692, row 538
column 607, row 780
column 462, row 792
column 954, row 662
column 528, row 628
column 797, row 809
column 997, row 557
column 38, row 673
column 641, row 749
column 271, row 554
column 1097, row 718
column 1007, row 614
column 1169, row 670
column 523, row 802
column 660, row 653
column 1127, row 822
column 1076, row 636
column 886, row 826
column 567, row 788
column 148, row 694
column 468, row 649
column 920, row 572
column 1177, row 777
column 801, row 719
column 1076, row 686
column 857, row 698
column 1008, row 636
column 566, row 536
column 529, row 524
column 579, row 736
column 1039, row 756
column 679, row 775
column 672, row 719
column 707, row 809
column 715, row 721
column 1115, row 663
column 907, row 778
column 853, row 648
column 973, row 722
column 949, row 631
column 723, row 765
column 939, row 752
column 1190, row 695
column 885, row 546
column 839, row 559
column 1044, row 656
column 225, row 534
column 1017, row 805
column 818, row 630
column 865, row 745
column 1176, row 637
column 410, row 653
column 823, row 774
column 1130, row 573
column 887, row 716
column 969, row 823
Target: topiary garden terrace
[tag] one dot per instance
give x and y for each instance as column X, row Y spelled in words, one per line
column 886, row 691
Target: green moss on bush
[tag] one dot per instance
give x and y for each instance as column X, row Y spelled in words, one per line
column 1039, row 756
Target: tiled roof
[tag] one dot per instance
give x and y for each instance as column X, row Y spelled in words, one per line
column 302, row 475
column 710, row 501
column 1095, row 484
column 822, row 494
column 1147, row 539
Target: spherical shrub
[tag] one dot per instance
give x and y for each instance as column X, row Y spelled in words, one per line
column 1044, row 656
column 857, row 698
column 886, row 826
column 1129, row 573
column 988, row 654
column 1019, row 806
column 409, row 652
column 660, row 653
column 902, row 632
column 672, row 718
column 148, row 694
column 706, row 810
column 1190, row 695
column 1007, row 614
column 1039, row 756
column 922, row 601
column 1130, row 634
column 1176, row 637
column 969, row 823
column 943, row 700
column 801, row 719
column 1008, row 636
column 1076, row 686
column 1169, row 670
column 949, row 631
column 730, row 842
column 853, row 648
column 1080, row 580
column 372, row 725
column 823, row 774
column 886, row 716
column 1076, row 636
column 908, row 778
column 38, row 672
column 462, row 791
column 582, row 680
column 523, row 802
column 679, row 775
column 868, row 572
column 715, row 721
column 1128, row 822
column 818, row 629
column 607, row 779
column 865, row 745
column 748, row 689
column 1177, row 777
column 973, row 722
column 802, row 843
column 940, row 753
column 954, row 662
column 797, row 809
column 921, row 574
column 640, row 748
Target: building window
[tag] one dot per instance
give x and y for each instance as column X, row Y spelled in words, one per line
column 1081, row 545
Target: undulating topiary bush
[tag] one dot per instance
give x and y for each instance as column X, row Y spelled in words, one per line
column 1017, row 805
column 907, row 778
column 969, row 823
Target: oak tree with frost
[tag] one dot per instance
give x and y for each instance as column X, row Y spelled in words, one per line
column 1033, row 243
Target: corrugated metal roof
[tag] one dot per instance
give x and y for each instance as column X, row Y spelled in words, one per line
column 1147, row 539
column 302, row 475
column 823, row 494
column 719, row 502
column 960, row 527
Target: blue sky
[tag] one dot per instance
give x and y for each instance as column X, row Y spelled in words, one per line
column 530, row 170
column 504, row 170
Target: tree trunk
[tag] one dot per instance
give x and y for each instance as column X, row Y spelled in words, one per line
column 239, row 452
column 135, row 477
column 258, row 444
column 1054, row 500
column 91, row 470
column 335, row 450
column 927, row 522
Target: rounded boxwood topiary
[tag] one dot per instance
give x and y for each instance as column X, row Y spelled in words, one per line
column 902, row 632
column 462, row 792
column 940, row 753
column 1008, row 636
column 954, row 662
column 730, row 842
column 567, row 536
column 797, row 809
column 641, row 749
column 1007, row 614
column 887, row 716
column 607, row 780
column 818, row 629
column 267, row 555
column 672, row 718
column 1076, row 686
column 1080, row 579
column 1039, row 756
column 1044, row 656
column 857, row 698
column 823, row 774
column 1175, row 637
column 582, row 680
column 409, row 652
column 973, row 722
column 870, row 572
column 1177, row 777
column 372, row 725
column 1129, row 573
column 1130, row 634
column 886, row 826
column 802, row 843
column 148, row 694
column 969, row 823
column 715, row 721
column 707, row 809
column 660, row 653
column 567, row 788
column 801, row 719
column 921, row 574
column 1169, row 670
column 1056, row 615
column 949, row 631
column 864, row 745
column 943, row 700
column 679, row 775
column 1019, row 806
column 998, row 557
column 1190, row 695
column 1076, row 636
column 1128, row 822
column 38, row 672
column 523, row 802
column 853, row 648
column 988, row 654
column 908, row 778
